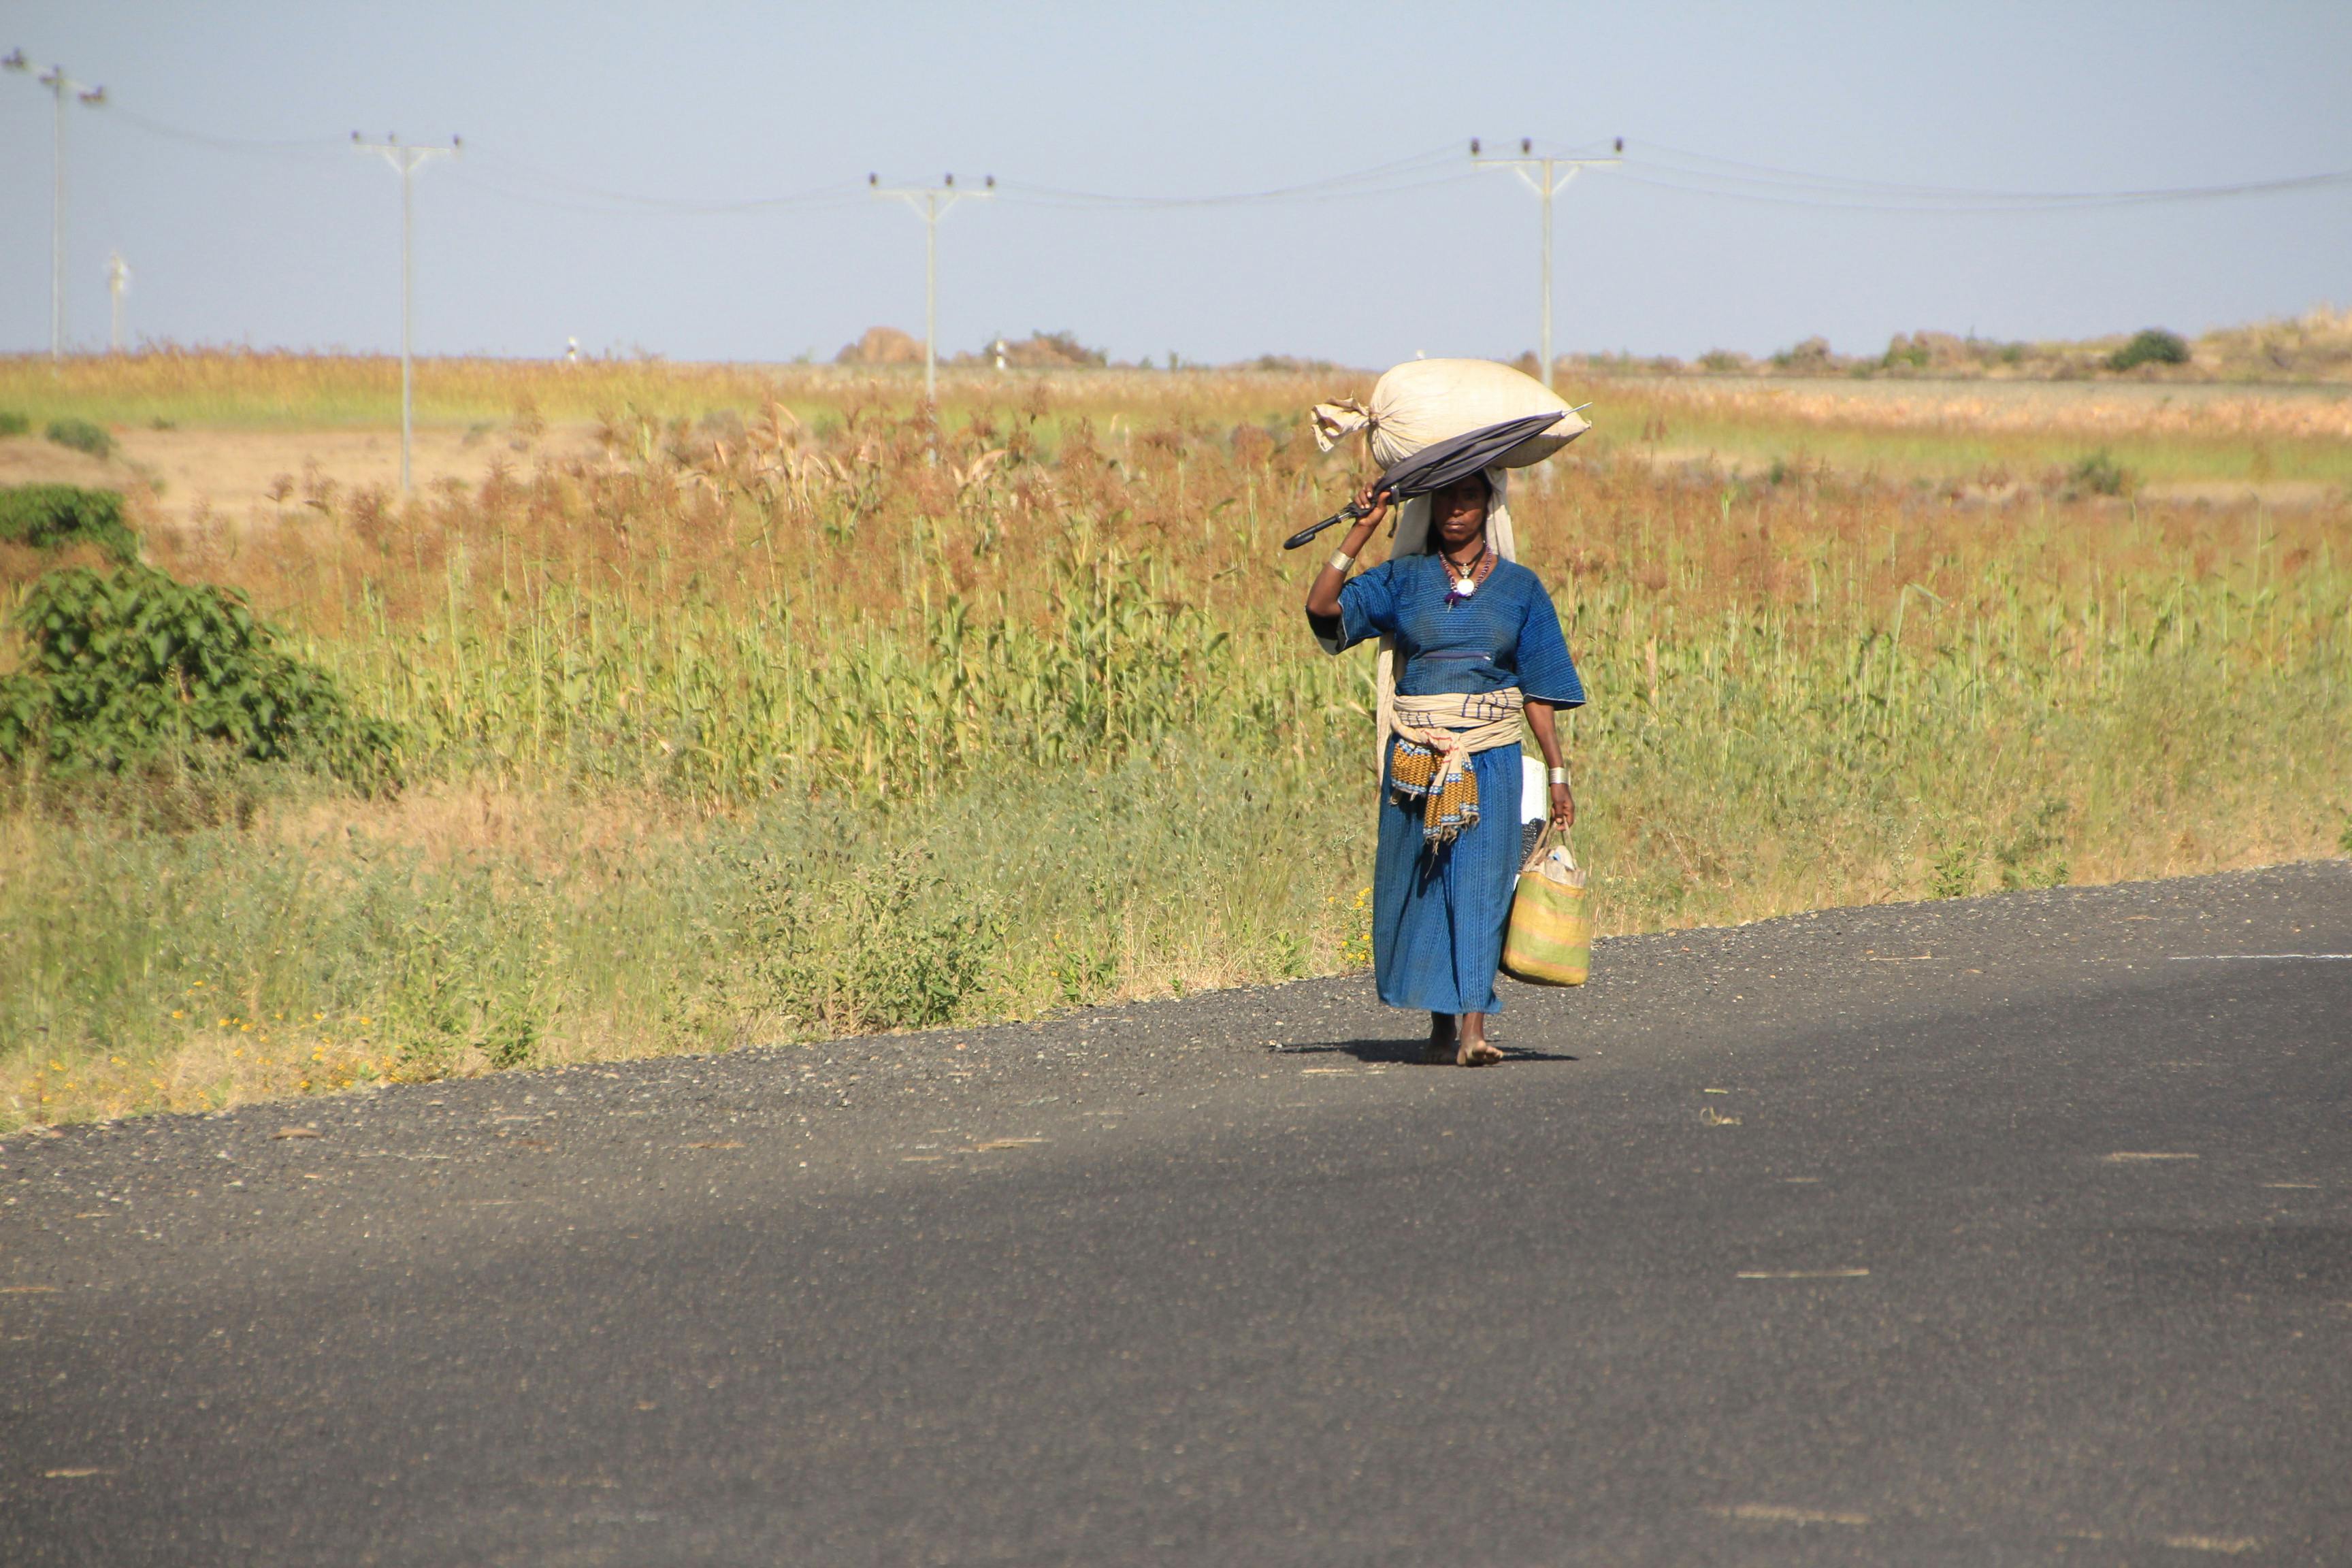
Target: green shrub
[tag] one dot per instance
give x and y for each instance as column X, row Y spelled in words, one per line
column 886, row 944
column 1953, row 873
column 13, row 423
column 2152, row 346
column 82, row 436
column 2101, row 475
column 50, row 517
column 136, row 670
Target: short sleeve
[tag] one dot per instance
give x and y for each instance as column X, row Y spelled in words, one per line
column 1368, row 607
column 1546, row 673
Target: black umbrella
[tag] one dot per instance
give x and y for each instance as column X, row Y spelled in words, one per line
column 1438, row 465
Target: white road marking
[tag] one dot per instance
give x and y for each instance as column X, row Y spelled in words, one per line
column 2231, row 1544
column 1804, row 1273
column 2259, row 957
column 1776, row 1514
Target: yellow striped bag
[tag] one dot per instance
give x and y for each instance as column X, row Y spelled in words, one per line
column 1550, row 938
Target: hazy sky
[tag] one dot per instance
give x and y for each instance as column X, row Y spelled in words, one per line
column 298, row 244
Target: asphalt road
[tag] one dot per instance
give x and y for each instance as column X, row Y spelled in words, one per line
column 2015, row 1230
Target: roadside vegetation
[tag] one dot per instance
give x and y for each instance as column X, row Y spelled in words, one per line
column 780, row 712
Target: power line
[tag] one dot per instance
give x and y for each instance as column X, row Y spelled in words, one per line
column 1755, row 182
column 61, row 87
column 507, row 170
column 406, row 161
column 1660, row 166
column 225, row 143
column 2105, row 202
column 930, row 203
column 1384, row 179
column 1549, row 185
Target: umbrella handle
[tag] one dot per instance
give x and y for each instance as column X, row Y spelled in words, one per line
column 1348, row 513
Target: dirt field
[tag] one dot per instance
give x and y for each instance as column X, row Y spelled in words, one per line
column 2218, row 444
column 237, row 473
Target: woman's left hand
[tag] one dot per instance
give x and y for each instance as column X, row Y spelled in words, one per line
column 1563, row 806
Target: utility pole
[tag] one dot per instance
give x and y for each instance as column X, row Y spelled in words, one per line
column 118, row 280
column 406, row 161
column 930, row 202
column 61, row 87
column 1551, row 182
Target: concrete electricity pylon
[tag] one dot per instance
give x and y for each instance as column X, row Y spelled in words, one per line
column 1546, row 184
column 61, row 87
column 118, row 282
column 406, row 161
column 930, row 202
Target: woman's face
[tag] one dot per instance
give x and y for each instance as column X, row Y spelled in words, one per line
column 1459, row 510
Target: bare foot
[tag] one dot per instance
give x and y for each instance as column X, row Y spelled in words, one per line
column 1476, row 1053
column 1441, row 1038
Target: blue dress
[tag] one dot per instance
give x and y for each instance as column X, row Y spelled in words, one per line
column 1439, row 913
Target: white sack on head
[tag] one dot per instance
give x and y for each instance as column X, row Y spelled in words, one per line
column 1424, row 401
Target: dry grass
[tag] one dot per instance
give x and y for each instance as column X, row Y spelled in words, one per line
column 2201, row 415
column 2209, row 442
column 303, row 391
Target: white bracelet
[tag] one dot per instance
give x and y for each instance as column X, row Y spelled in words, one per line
column 1341, row 561
column 1559, row 776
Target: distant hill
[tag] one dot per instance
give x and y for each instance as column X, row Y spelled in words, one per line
column 2314, row 346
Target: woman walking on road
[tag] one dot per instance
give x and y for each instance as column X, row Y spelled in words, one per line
column 1476, row 643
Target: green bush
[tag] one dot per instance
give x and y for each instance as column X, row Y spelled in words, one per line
column 82, row 436
column 13, row 423
column 883, row 945
column 136, row 670
column 50, row 517
column 2152, row 346
column 2101, row 475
